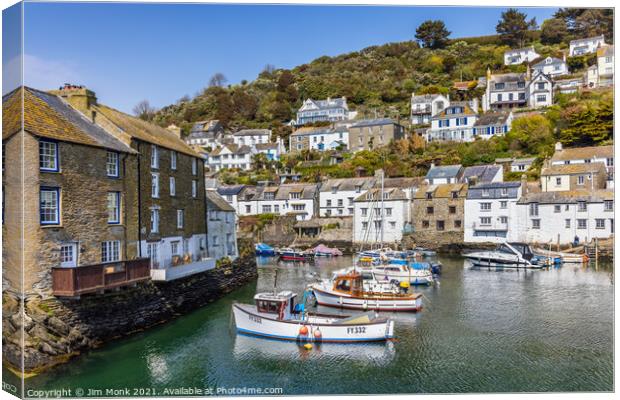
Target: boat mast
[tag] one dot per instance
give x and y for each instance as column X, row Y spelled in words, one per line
column 382, row 205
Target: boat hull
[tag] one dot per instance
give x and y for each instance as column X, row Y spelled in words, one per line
column 500, row 262
column 330, row 298
column 413, row 279
column 253, row 324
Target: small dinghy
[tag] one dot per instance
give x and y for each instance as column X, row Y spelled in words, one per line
column 276, row 316
column 324, row 251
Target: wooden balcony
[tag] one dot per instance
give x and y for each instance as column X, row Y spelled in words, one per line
column 73, row 282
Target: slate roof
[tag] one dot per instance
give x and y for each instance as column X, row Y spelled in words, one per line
column 252, row 132
column 492, row 118
column 484, row 173
column 393, row 194
column 593, row 38
column 571, row 169
column 217, row 202
column 402, row 183
column 509, row 77
column 567, row 197
column 605, row 51
column 543, row 62
column 444, row 190
column 424, row 98
column 145, row 131
column 230, row 190
column 583, row 153
column 205, row 129
column 347, row 184
column 466, row 110
column 311, row 130
column 326, row 104
column 443, row 171
column 496, row 185
column 233, row 148
column 47, row 115
column 307, row 191
column 266, row 146
column 373, row 122
column 523, row 161
column 520, row 50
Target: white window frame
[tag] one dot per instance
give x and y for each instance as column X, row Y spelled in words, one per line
column 155, row 185
column 112, row 164
column 173, row 186
column 180, row 219
column 54, row 201
column 154, row 156
column 194, row 166
column 154, row 220
column 110, row 251
column 173, row 160
column 51, row 156
column 72, row 262
column 194, row 188
column 114, row 206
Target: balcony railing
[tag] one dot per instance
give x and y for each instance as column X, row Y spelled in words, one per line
column 94, row 278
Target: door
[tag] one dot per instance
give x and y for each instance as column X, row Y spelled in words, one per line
column 152, row 250
column 68, row 255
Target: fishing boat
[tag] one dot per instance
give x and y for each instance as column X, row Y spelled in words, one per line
column 506, row 255
column 264, row 250
column 565, row 257
column 415, row 274
column 288, row 254
column 276, row 316
column 347, row 291
column 324, row 251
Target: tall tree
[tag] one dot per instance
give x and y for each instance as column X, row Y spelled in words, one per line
column 143, row 110
column 582, row 22
column 432, row 34
column 553, row 31
column 217, row 80
column 513, row 27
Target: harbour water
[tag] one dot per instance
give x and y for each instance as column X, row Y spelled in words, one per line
column 481, row 330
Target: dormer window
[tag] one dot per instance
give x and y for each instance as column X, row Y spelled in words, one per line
column 429, row 195
column 358, row 188
column 334, row 189
column 499, row 86
column 295, row 195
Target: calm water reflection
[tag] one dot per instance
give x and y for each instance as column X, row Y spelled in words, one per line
column 481, row 331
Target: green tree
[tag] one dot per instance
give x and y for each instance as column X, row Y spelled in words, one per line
column 513, row 28
column 583, row 22
column 587, row 124
column 531, row 134
column 432, row 34
column 553, row 31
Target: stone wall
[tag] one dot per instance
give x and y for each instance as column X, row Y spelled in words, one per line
column 57, row 329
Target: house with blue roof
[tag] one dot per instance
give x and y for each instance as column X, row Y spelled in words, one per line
column 438, row 175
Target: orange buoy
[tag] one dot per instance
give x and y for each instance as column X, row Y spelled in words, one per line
column 317, row 334
column 303, row 330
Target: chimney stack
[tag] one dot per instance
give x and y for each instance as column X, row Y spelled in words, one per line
column 174, row 129
column 558, row 146
column 523, row 185
column 78, row 96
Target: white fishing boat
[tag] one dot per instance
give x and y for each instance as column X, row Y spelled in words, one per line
column 348, row 291
column 565, row 257
column 507, row 255
column 275, row 316
column 416, row 274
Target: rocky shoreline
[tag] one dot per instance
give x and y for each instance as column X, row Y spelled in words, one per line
column 55, row 330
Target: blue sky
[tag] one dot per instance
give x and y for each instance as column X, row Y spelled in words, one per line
column 160, row 52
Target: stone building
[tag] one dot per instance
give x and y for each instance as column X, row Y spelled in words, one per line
column 438, row 214
column 74, row 204
column 222, row 227
column 170, row 181
column 374, row 133
column 586, row 176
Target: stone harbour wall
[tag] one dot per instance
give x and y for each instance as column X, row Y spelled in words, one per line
column 57, row 329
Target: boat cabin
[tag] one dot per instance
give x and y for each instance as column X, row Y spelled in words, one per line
column 523, row 248
column 281, row 304
column 351, row 283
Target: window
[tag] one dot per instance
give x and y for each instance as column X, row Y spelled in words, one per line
column 485, row 206
column 340, row 202
column 154, row 220
column 364, row 225
column 558, row 181
column 112, row 164
column 299, row 207
column 535, row 224
column 504, row 192
column 610, row 162
column 154, row 156
column 110, row 251
column 180, row 219
column 455, row 195
column 114, row 207
column 582, row 224
column 503, row 220
column 430, row 210
column 194, row 188
column 364, row 212
column 49, row 206
column 173, row 186
column 215, row 241
column 174, row 248
column 582, row 206
column 388, row 212
column 276, row 208
column 541, row 85
column 609, row 205
column 485, row 193
column 425, row 224
column 266, row 208
column 392, row 224
column 328, row 203
column 48, row 155
column 457, row 223
column 534, row 209
column 503, row 204
column 270, row 196
column 248, row 209
column 334, row 189
column 155, row 185
column 485, row 220
column 440, row 225
column 68, row 253
column 600, row 223
column 295, row 195
column 194, row 166
column 581, row 180
column 541, row 98
column 358, row 189
column 173, row 160
column 429, row 196
column 557, row 208
column 567, row 223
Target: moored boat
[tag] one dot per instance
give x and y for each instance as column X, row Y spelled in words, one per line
column 324, row 251
column 347, row 291
column 507, row 255
column 415, row 274
column 564, row 257
column 289, row 254
column 264, row 250
column 276, row 316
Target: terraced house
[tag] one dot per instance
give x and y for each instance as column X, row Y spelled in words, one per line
column 74, row 202
column 170, row 183
column 370, row 134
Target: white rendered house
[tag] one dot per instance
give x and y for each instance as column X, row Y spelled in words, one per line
column 519, row 56
column 337, row 196
column 221, row 227
column 455, row 123
column 490, row 211
column 375, row 220
column 584, row 46
column 425, row 106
